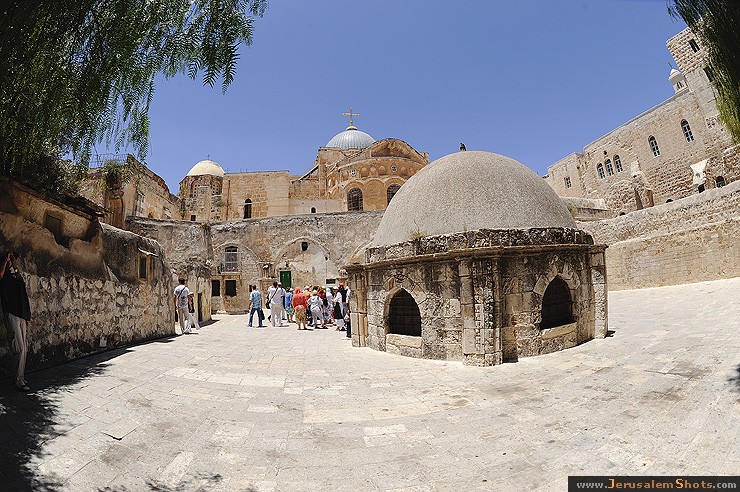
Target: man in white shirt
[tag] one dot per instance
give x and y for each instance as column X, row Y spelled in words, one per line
column 181, row 303
column 276, row 296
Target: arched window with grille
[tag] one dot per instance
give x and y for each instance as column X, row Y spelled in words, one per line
column 720, row 181
column 247, row 208
column 609, row 168
column 354, row 200
column 391, row 192
column 687, row 131
column 654, row 146
column 600, row 170
column 618, row 163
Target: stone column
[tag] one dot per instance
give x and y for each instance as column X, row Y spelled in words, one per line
column 358, row 306
column 494, row 309
column 472, row 349
column 598, row 282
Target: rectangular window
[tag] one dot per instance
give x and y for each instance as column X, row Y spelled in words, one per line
column 216, row 288
column 693, row 45
column 709, row 74
column 568, row 183
column 331, row 281
column 54, row 224
column 192, row 218
column 231, row 288
column 142, row 267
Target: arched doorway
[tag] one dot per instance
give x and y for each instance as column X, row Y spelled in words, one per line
column 403, row 315
column 557, row 306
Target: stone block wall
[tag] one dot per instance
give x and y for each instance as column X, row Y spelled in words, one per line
column 436, row 290
column 187, row 251
column 87, row 294
column 688, row 240
column 525, row 280
column 480, row 293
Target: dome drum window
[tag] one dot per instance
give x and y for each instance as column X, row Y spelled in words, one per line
column 391, row 192
column 354, row 200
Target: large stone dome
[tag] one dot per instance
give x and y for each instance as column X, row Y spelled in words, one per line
column 351, row 138
column 467, row 191
column 205, row 167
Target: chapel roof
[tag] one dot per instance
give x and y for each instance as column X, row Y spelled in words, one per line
column 467, row 191
column 206, row 167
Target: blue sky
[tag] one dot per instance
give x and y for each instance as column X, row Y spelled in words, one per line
column 531, row 79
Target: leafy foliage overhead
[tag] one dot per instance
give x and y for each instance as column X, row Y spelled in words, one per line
column 717, row 23
column 74, row 73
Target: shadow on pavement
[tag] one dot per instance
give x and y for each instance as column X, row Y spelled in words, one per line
column 198, row 483
column 736, row 378
column 28, row 420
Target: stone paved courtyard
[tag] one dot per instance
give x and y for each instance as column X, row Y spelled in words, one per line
column 243, row 409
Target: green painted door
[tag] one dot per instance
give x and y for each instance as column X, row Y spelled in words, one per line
column 285, row 279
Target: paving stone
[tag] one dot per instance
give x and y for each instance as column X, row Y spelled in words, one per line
column 239, row 410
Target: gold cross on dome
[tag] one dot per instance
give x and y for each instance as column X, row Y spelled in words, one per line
column 350, row 114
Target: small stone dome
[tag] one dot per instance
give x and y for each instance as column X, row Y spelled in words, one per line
column 205, row 167
column 467, row 191
column 351, row 138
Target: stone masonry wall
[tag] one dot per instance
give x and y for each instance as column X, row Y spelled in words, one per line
column 187, row 251
column 688, row 240
column 85, row 295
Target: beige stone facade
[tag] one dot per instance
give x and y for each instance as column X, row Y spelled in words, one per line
column 363, row 176
column 673, row 150
column 144, row 194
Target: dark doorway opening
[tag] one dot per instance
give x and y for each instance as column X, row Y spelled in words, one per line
column 403, row 315
column 557, row 306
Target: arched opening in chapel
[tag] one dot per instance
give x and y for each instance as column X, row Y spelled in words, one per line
column 247, row 208
column 404, row 317
column 557, row 305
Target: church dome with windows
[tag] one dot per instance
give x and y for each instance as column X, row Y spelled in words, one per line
column 351, row 138
column 467, row 191
column 207, row 167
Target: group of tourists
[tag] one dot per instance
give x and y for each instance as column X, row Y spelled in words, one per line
column 316, row 306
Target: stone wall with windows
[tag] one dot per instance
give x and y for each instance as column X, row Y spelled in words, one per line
column 308, row 248
column 188, row 253
column 647, row 161
column 687, row 240
column 91, row 287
